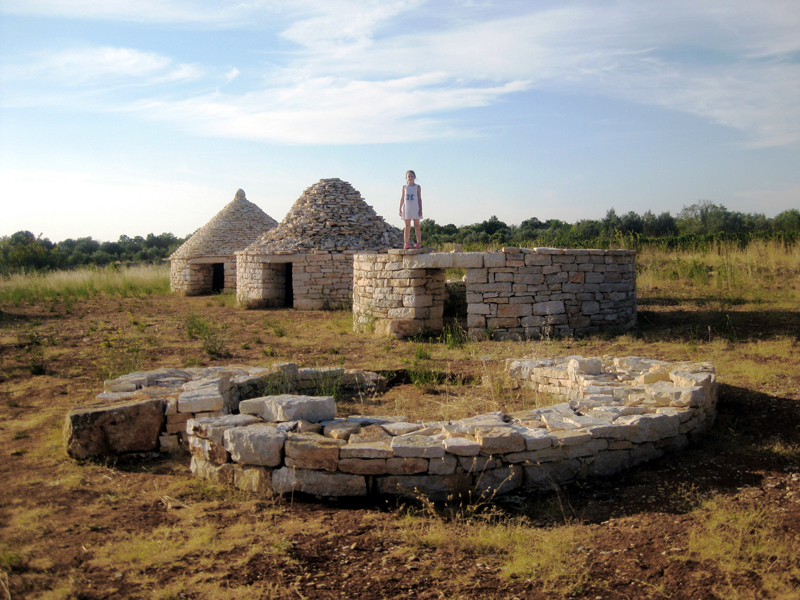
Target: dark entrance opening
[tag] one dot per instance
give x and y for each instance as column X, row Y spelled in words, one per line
column 287, row 282
column 218, row 278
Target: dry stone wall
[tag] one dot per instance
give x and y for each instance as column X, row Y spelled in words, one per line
column 617, row 413
column 518, row 293
column 319, row 279
column 148, row 410
column 259, row 429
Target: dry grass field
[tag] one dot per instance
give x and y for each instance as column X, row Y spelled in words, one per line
column 719, row 520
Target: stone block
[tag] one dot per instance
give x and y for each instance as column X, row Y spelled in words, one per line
column 648, row 428
column 201, row 400
column 401, row 428
column 341, row 430
column 219, row 474
column 312, row 451
column 552, row 307
column 319, row 483
column 478, row 464
column 445, row 465
column 461, row 446
column 514, row 310
column 131, row 426
column 417, row 446
column 288, row 407
column 499, row 481
column 366, row 450
column 363, row 466
column 208, row 451
column 499, row 440
column 259, row 444
column 549, row 476
column 406, row 466
column 252, row 479
column 370, row 433
column 214, row 428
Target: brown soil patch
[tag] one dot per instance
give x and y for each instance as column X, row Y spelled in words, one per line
column 58, row 518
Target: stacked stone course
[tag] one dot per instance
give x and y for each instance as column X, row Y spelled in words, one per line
column 327, row 225
column 616, row 413
column 621, row 412
column 518, row 293
column 148, row 410
column 236, row 226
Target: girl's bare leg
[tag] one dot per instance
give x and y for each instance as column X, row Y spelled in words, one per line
column 417, row 232
column 407, row 232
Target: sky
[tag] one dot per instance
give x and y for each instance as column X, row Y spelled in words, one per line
column 120, row 117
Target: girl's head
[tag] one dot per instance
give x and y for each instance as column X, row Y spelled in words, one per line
column 410, row 175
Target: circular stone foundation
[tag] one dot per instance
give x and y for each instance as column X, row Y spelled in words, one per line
column 275, row 430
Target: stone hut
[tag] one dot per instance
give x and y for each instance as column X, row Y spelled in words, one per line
column 306, row 262
column 205, row 263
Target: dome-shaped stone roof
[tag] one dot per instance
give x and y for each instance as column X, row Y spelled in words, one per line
column 237, row 225
column 330, row 215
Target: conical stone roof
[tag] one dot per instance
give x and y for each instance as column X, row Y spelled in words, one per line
column 332, row 216
column 237, row 225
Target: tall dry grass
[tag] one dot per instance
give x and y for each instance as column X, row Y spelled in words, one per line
column 84, row 283
column 763, row 271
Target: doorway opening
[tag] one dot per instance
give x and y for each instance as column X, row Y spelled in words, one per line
column 287, row 282
column 218, row 278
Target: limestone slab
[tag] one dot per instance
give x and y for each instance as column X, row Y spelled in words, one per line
column 312, row 451
column 214, row 428
column 287, row 407
column 131, row 426
column 258, row 444
column 319, row 483
column 417, row 446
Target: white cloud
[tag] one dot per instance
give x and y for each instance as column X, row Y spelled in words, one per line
column 82, row 66
column 151, row 11
column 361, row 69
column 331, row 111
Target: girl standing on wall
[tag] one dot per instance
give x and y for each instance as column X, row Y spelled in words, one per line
column 411, row 209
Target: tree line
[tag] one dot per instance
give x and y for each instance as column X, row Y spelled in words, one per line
column 694, row 226
column 24, row 251
column 697, row 224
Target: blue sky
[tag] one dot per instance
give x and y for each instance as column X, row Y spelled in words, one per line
column 120, row 117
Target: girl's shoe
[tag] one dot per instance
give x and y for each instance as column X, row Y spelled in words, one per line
column 417, row 245
column 406, row 246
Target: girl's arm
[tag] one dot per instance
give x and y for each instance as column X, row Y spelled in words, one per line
column 402, row 199
column 419, row 199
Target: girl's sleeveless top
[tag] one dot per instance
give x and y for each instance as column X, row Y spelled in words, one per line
column 411, row 203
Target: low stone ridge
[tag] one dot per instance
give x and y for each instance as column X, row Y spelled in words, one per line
column 330, row 215
column 149, row 410
column 617, row 413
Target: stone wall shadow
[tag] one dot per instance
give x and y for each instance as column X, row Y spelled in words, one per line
column 681, row 324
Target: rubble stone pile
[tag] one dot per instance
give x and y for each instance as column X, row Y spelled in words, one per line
column 330, row 215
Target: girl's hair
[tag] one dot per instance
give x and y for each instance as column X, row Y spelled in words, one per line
column 412, row 172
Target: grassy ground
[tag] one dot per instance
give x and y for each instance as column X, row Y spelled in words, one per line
column 719, row 520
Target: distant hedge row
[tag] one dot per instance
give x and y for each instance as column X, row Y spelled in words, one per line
column 696, row 227
column 24, row 251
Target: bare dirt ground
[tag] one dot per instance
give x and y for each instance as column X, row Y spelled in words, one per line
column 64, row 526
